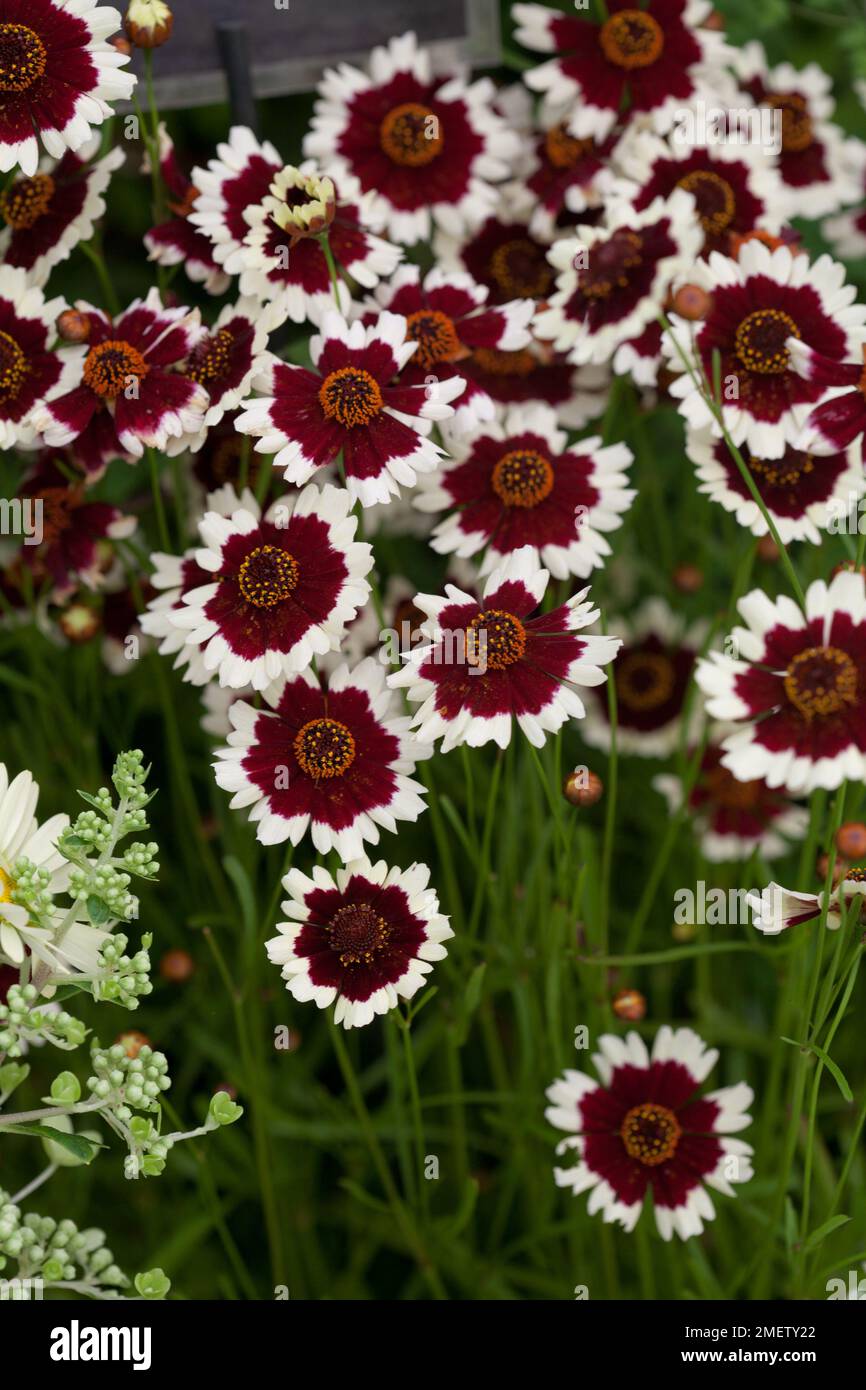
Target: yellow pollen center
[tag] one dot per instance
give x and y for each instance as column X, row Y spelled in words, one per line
column 520, row 269
column 211, row 359
column 6, row 886
column 760, row 339
column 324, row 748
column 22, row 57
column 821, row 681
column 787, row 472
column 797, row 132
column 435, row 335
column 358, row 933
column 113, row 366
column 13, row 368
column 26, row 200
column 350, row 396
column 411, row 135
column 631, row 39
column 267, row 576
column 562, row 149
column 495, row 639
column 650, row 1134
column 522, row 478
column 644, row 680
column 715, row 202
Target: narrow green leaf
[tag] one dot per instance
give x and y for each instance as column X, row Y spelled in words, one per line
column 816, row 1238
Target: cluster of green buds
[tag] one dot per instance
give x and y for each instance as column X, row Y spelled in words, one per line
column 123, row 979
column 29, row 887
column 23, row 1020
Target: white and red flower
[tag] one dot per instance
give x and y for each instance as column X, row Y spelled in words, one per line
column 776, row 909
column 226, row 359
column 643, row 1126
column 30, row 369
column 839, row 418
column 648, row 59
column 759, row 302
column 734, row 820
column 613, row 279
column 363, row 939
column 796, row 690
column 516, row 482
column 250, row 206
column 846, row 232
column 354, row 403
column 74, row 532
column 503, row 255
column 535, row 374
column 424, row 147
column 132, row 391
column 335, row 760
column 803, row 491
column 569, row 176
column 487, row 661
column 58, row 72
column 281, row 587
column 448, row 319
column 49, row 213
column 177, row 241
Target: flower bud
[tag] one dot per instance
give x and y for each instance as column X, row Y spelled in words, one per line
column 148, row 23
column 629, row 1004
column 582, row 787
column 73, row 326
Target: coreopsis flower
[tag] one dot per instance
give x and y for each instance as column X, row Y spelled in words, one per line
column 176, row 576
column 72, row 532
column 645, row 1126
column 252, row 209
column 58, row 72
column 335, row 760
column 795, row 688
column 356, row 403
column 425, row 148
column 488, row 661
column 758, row 303
column 131, row 390
column 651, row 59
column 734, row 820
column 30, row 369
column 535, row 374
column 448, row 318
column 282, row 586
column 569, row 176
column 148, row 23
column 226, row 359
column 613, row 279
column 652, row 675
column 839, row 419
column 734, row 185
column 803, row 492
column 22, row 837
column 776, row 909
column 177, row 241
column 363, row 939
column 516, row 482
column 48, row 214
column 816, row 160
column 846, row 232
column 503, row 255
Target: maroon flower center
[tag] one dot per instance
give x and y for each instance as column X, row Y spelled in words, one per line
column 797, row 132
column 267, row 576
column 58, row 504
column 324, row 748
column 821, row 681
column 26, row 200
column 519, row 362
column 351, row 396
column 562, row 149
column 522, row 478
column 520, row 269
column 644, row 680
column 496, row 639
column 723, row 788
column 411, row 134
column 13, row 368
column 784, row 472
column 22, row 57
column 212, row 357
column 631, row 39
column 112, row 366
column 435, row 335
column 358, row 934
column 610, row 263
column 715, row 202
column 650, row 1134
column 760, row 340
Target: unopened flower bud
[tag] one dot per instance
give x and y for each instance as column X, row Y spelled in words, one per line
column 148, row 23
column 73, row 326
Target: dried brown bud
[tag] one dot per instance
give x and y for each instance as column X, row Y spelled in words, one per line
column 73, row 326
column 688, row 578
column 691, row 302
column 629, row 1004
column 851, row 840
column 176, row 966
column 582, row 787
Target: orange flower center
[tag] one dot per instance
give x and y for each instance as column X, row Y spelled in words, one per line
column 520, row 269
column 211, row 358
column 644, row 680
column 797, row 132
column 267, row 576
column 25, row 201
column 563, row 149
column 632, row 39
column 715, row 202
column 495, row 639
column 522, row 478
column 112, row 366
column 22, row 57
column 358, row 933
column 760, row 341
column 609, row 264
column 787, row 471
column 821, row 681
column 13, row 368
column 411, row 134
column 726, row 791
column 350, row 396
column 519, row 362
column 324, row 748
column 650, row 1134
column 435, row 335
